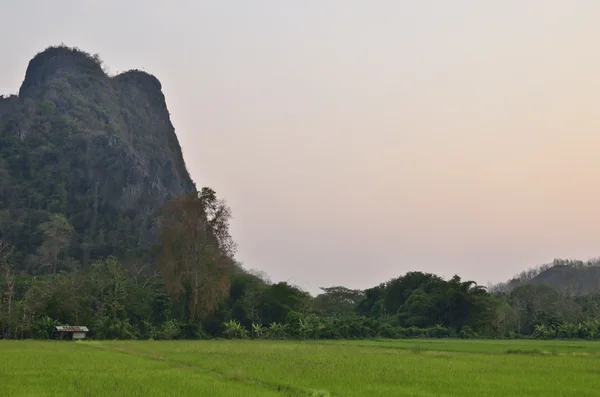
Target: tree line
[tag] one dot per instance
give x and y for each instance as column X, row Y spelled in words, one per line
column 189, row 286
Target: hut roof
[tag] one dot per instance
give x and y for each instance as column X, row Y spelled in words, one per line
column 72, row 328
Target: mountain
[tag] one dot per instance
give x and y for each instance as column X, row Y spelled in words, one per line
column 86, row 159
column 571, row 280
column 572, row 277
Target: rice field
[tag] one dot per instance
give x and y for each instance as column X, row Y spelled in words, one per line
column 286, row 368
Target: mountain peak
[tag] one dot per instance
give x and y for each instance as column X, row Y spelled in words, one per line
column 56, row 61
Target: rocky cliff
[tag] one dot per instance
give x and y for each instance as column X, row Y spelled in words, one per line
column 98, row 151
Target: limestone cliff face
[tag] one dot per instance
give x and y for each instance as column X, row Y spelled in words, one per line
column 100, row 150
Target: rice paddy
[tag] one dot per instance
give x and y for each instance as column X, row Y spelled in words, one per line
column 288, row 368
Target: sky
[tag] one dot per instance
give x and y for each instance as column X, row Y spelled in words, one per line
column 355, row 141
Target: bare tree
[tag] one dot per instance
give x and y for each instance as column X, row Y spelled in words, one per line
column 262, row 275
column 197, row 250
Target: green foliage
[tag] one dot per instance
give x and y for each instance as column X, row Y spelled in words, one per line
column 43, row 328
column 234, row 330
column 258, row 331
column 245, row 298
column 47, row 108
column 337, row 300
column 293, row 323
column 276, row 330
column 544, row 332
column 114, row 328
column 170, row 329
column 467, row 333
column 280, row 299
column 126, row 303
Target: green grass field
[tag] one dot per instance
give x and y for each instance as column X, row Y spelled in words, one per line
column 318, row 368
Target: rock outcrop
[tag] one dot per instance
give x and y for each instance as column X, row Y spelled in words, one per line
column 99, row 150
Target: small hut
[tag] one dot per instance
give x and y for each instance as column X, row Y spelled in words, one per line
column 74, row 331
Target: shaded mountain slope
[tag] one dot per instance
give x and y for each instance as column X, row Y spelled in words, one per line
column 99, row 151
column 573, row 277
column 571, row 280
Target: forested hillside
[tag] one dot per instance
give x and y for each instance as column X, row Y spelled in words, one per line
column 572, row 277
column 101, row 225
column 85, row 161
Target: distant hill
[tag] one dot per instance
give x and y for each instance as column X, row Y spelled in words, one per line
column 573, row 277
column 571, row 280
column 86, row 159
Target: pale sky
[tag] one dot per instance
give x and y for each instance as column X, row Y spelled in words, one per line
column 358, row 140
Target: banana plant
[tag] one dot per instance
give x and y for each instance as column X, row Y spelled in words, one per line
column 258, row 330
column 306, row 329
column 234, row 330
column 543, row 331
column 276, row 330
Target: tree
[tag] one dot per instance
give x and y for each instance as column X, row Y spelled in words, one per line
column 373, row 299
column 337, row 300
column 280, row 299
column 528, row 300
column 57, row 233
column 399, row 290
column 245, row 298
column 8, row 279
column 464, row 303
column 4, row 179
column 196, row 251
column 417, row 310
